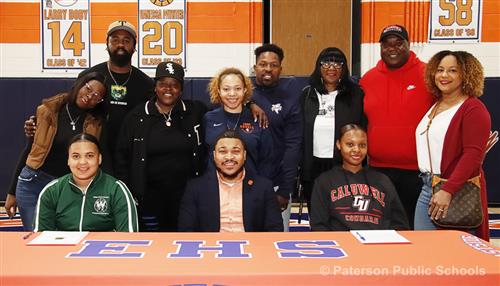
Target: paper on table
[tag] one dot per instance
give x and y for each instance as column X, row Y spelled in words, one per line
column 379, row 236
column 58, row 238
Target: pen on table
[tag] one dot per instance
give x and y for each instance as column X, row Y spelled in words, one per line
column 360, row 236
column 28, row 235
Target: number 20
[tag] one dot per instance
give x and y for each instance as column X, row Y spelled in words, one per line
column 463, row 13
column 157, row 35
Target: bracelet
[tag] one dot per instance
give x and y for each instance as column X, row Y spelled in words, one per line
column 250, row 102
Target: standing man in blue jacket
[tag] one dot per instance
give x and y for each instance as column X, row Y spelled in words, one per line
column 280, row 101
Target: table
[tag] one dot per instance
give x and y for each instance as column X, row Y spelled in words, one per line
column 305, row 258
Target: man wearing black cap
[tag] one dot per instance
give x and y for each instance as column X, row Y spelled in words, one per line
column 395, row 101
column 159, row 148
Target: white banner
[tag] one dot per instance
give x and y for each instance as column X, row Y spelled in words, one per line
column 455, row 21
column 162, row 32
column 65, row 34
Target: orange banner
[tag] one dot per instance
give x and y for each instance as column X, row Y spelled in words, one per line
column 207, row 22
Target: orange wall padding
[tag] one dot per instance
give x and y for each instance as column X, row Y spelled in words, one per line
column 415, row 17
column 207, row 22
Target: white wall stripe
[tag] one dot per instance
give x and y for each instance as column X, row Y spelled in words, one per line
column 487, row 54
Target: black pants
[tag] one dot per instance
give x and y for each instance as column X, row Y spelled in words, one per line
column 320, row 165
column 408, row 185
column 159, row 211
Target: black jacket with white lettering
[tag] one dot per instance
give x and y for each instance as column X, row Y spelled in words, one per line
column 342, row 201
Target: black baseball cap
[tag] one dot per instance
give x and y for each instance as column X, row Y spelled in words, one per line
column 170, row 69
column 395, row 30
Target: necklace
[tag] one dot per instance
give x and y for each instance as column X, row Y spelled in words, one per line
column 71, row 121
column 236, row 124
column 113, row 78
column 169, row 113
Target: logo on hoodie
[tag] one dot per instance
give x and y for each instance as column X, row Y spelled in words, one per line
column 276, row 108
column 101, row 205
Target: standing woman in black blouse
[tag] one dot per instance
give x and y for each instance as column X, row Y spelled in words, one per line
column 45, row 158
column 330, row 101
column 159, row 148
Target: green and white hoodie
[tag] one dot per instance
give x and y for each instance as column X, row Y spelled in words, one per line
column 107, row 205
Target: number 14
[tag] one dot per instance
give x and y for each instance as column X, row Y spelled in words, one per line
column 72, row 39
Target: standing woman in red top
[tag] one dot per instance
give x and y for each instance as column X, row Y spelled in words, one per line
column 458, row 135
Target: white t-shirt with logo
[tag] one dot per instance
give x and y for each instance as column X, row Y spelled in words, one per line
column 324, row 126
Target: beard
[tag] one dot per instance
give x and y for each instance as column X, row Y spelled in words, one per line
column 120, row 60
column 227, row 176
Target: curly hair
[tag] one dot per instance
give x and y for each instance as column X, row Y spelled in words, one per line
column 470, row 69
column 214, row 85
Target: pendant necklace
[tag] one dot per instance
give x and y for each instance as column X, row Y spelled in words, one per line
column 113, row 78
column 168, row 120
column 71, row 121
column 118, row 91
column 236, row 124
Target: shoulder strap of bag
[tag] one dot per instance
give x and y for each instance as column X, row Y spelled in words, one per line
column 433, row 114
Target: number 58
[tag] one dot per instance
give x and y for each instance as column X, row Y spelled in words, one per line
column 459, row 12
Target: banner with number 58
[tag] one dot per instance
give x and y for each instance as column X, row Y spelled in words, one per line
column 455, row 21
column 65, row 34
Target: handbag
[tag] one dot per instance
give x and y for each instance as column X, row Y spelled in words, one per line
column 465, row 209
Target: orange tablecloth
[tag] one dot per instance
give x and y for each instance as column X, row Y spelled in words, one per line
column 432, row 258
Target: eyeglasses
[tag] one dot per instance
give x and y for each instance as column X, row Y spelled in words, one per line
column 95, row 96
column 329, row 64
column 264, row 65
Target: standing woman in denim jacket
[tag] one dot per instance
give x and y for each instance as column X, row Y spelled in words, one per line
column 59, row 118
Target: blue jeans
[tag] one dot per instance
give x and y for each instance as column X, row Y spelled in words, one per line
column 422, row 218
column 29, row 185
